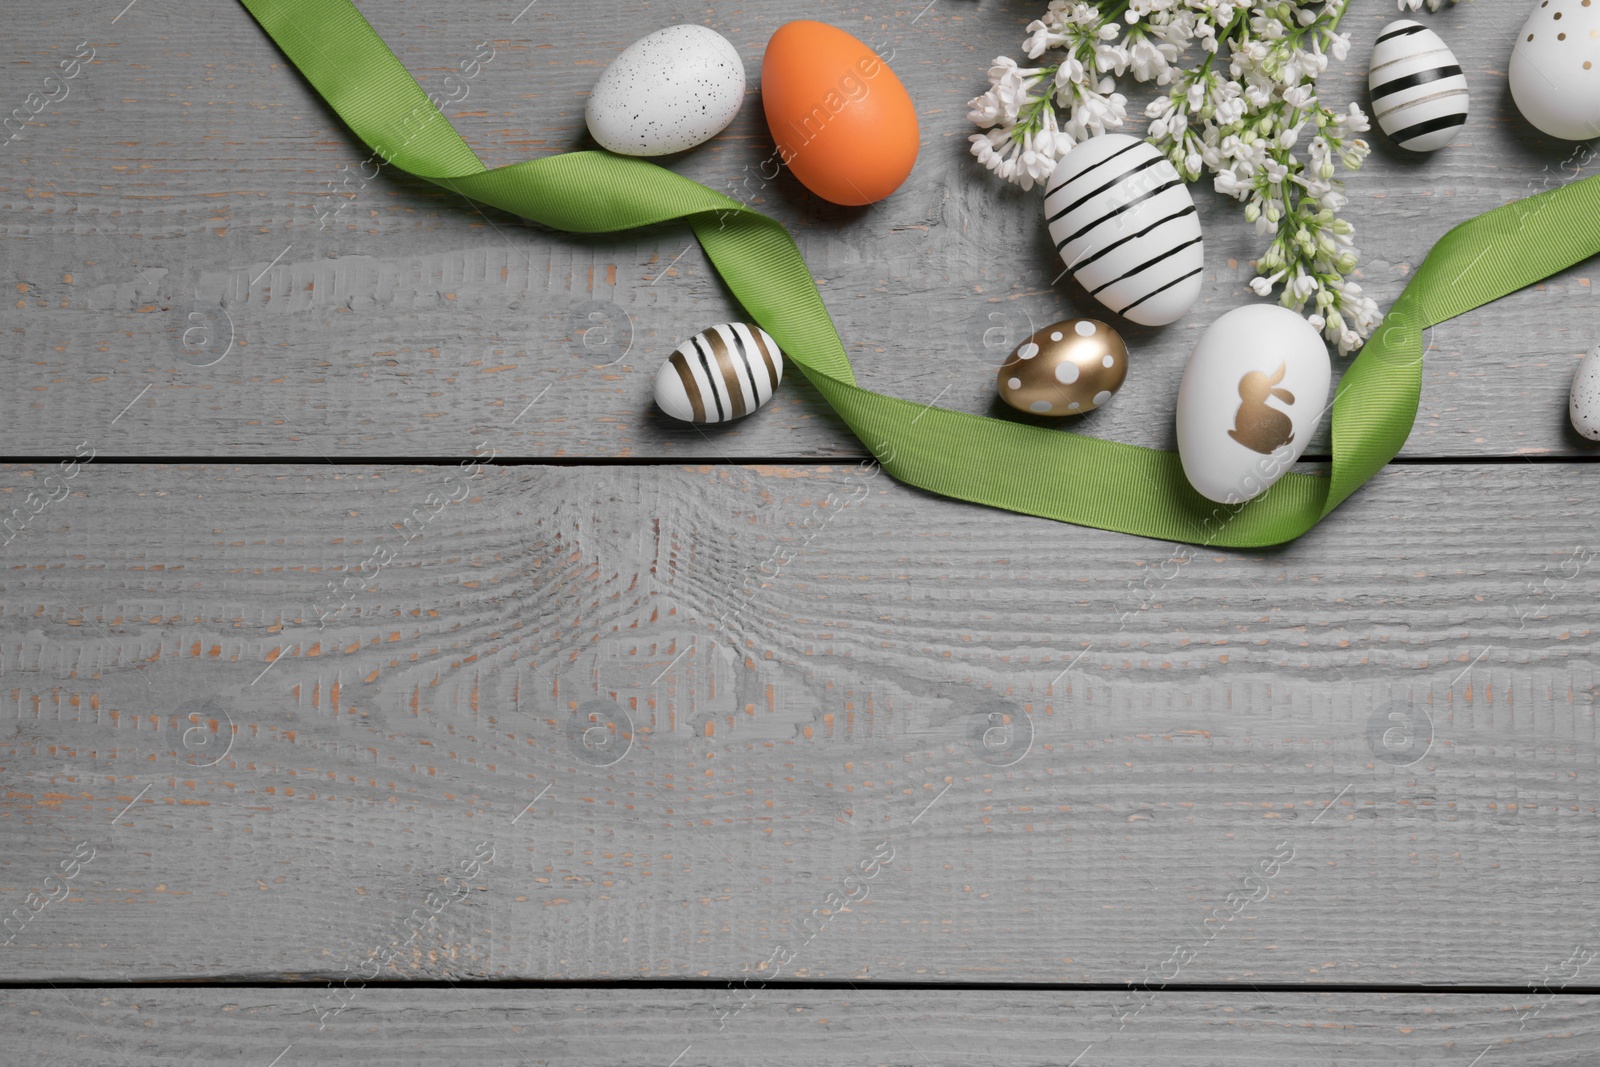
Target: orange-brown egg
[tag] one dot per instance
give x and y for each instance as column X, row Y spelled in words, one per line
column 842, row 121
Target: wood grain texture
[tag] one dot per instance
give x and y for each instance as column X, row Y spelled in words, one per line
column 172, row 204
column 1063, row 755
column 396, row 1027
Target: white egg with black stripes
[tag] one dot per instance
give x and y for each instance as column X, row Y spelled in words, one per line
column 722, row 373
column 1122, row 220
column 1419, row 95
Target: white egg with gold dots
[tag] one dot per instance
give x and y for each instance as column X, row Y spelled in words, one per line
column 1555, row 68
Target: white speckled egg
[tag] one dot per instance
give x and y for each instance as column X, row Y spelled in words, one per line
column 1583, row 406
column 720, row 374
column 1555, row 68
column 672, row 90
column 1122, row 220
column 1252, row 396
column 1419, row 95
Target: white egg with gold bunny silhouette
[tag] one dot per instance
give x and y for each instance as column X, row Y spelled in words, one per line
column 1254, row 392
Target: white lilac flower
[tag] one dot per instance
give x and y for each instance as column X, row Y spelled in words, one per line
column 1243, row 106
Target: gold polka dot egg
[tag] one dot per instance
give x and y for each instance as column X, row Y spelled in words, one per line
column 1067, row 368
column 1555, row 68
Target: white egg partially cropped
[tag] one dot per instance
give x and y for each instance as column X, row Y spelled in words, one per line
column 720, row 374
column 1555, row 68
column 1124, row 224
column 1419, row 95
column 672, row 90
column 1252, row 396
column 1583, row 405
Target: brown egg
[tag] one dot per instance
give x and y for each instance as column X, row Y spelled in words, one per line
column 1067, row 368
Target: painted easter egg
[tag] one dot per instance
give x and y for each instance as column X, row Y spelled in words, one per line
column 674, row 89
column 843, row 123
column 1419, row 95
column 1067, row 368
column 1122, row 220
column 1252, row 395
column 720, row 374
column 1555, row 69
column 1583, row 406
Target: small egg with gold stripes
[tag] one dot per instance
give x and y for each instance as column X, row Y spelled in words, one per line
column 721, row 373
column 1067, row 368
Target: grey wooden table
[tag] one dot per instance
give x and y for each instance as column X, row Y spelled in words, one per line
column 659, row 747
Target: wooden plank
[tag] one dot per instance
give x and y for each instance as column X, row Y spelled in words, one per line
column 706, row 715
column 175, row 202
column 395, row 1027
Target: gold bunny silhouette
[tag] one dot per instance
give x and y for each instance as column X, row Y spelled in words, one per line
column 1257, row 425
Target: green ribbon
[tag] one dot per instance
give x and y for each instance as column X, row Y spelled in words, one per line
column 1029, row 469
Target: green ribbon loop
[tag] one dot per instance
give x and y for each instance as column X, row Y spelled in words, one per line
column 1028, row 469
